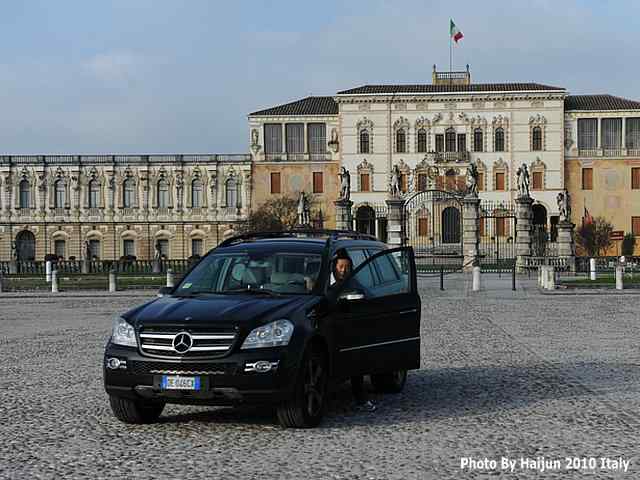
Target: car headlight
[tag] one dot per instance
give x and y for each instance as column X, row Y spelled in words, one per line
column 274, row 334
column 123, row 333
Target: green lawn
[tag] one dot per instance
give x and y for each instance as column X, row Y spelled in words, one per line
column 602, row 280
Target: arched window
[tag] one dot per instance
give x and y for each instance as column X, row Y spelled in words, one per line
column 401, row 141
column 59, row 189
column 196, row 193
column 128, row 192
column 232, row 192
column 364, row 141
column 24, row 194
column 59, row 248
column 450, row 140
column 163, row 194
column 422, row 141
column 499, row 140
column 478, row 140
column 536, row 139
column 94, row 194
column 451, row 225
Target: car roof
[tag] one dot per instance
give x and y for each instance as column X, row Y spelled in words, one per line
column 301, row 244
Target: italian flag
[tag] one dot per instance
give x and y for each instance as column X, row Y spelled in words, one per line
column 455, row 33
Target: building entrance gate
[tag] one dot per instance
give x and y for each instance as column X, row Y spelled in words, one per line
column 432, row 223
column 497, row 232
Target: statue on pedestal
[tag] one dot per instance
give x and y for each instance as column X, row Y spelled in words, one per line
column 472, row 179
column 345, row 184
column 394, row 186
column 564, row 206
column 304, row 213
column 523, row 180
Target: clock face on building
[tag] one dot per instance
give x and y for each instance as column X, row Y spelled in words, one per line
column 433, row 172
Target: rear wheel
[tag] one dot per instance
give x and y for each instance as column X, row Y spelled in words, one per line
column 392, row 382
column 306, row 408
column 135, row 411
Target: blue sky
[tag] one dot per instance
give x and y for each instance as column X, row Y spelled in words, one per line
column 156, row 76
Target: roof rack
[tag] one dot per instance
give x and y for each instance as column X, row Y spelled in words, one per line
column 334, row 234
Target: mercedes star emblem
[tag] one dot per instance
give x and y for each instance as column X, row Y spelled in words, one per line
column 182, row 342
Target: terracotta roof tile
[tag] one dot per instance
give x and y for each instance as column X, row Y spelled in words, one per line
column 599, row 102
column 306, row 106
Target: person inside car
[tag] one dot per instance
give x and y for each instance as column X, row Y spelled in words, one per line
column 342, row 266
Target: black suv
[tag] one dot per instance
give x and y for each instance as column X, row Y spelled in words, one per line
column 261, row 320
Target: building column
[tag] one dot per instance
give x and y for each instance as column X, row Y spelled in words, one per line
column 343, row 214
column 394, row 222
column 524, row 218
column 471, row 231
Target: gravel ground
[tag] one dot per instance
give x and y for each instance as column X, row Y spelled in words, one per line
column 504, row 374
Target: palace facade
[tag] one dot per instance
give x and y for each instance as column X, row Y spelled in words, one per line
column 109, row 206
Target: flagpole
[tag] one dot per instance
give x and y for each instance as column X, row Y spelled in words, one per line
column 450, row 57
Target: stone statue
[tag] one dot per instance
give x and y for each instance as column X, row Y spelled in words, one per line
column 410, row 182
column 112, row 183
column 472, row 179
column 564, row 206
column 523, row 181
column 394, row 187
column 87, row 251
column 42, row 182
column 158, row 253
column 14, row 250
column 304, row 214
column 345, row 184
column 254, row 137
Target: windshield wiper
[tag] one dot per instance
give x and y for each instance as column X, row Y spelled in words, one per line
column 252, row 291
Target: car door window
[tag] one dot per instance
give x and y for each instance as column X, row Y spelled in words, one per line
column 394, row 275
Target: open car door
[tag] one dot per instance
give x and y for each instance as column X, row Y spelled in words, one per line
column 378, row 316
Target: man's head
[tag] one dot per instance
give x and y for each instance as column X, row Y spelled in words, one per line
column 341, row 265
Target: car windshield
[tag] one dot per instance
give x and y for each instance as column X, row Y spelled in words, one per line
column 273, row 272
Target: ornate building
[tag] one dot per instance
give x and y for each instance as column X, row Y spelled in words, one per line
column 109, row 206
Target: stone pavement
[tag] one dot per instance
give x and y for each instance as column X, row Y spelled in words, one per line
column 513, row 374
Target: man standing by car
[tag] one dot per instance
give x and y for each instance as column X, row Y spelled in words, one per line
column 342, row 266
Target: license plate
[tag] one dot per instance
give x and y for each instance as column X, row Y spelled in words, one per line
column 171, row 382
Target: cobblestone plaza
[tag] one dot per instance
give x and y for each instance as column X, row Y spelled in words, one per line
column 504, row 374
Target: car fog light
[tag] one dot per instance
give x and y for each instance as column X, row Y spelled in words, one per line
column 114, row 363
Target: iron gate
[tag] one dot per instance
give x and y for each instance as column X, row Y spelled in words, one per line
column 497, row 226
column 432, row 225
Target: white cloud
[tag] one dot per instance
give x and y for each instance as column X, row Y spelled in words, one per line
column 112, row 66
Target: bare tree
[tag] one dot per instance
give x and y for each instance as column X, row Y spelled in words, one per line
column 276, row 215
column 595, row 237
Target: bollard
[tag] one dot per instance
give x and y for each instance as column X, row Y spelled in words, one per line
column 551, row 278
column 54, row 281
column 513, row 277
column 441, row 277
column 476, row 279
column 48, row 270
column 592, row 268
column 542, row 275
column 1, row 280
column 619, row 281
column 170, row 278
column 112, row 281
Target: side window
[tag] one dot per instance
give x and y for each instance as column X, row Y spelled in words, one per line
column 357, row 256
column 393, row 276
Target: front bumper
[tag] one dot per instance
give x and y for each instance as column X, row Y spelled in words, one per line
column 223, row 381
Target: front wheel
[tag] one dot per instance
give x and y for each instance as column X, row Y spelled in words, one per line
column 135, row 411
column 392, row 382
column 306, row 408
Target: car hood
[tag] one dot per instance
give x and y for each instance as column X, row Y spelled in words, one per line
column 214, row 310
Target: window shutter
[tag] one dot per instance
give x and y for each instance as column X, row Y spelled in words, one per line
column 480, row 181
column 537, row 180
column 439, row 182
column 318, row 186
column 587, row 179
column 423, row 227
column 499, row 181
column 635, row 178
column 500, row 230
column 365, row 186
column 635, row 225
column 275, row 182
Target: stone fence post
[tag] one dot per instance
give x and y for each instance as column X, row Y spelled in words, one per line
column 566, row 246
column 344, row 220
column 524, row 217
column 471, row 232
column 395, row 220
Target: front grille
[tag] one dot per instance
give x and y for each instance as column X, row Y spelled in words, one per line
column 204, row 343
column 166, row 368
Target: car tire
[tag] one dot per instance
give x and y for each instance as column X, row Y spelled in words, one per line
column 392, row 382
column 135, row 411
column 305, row 408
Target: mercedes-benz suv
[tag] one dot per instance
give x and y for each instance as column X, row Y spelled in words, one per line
column 261, row 320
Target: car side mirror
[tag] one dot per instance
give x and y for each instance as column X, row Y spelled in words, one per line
column 165, row 291
column 350, row 296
